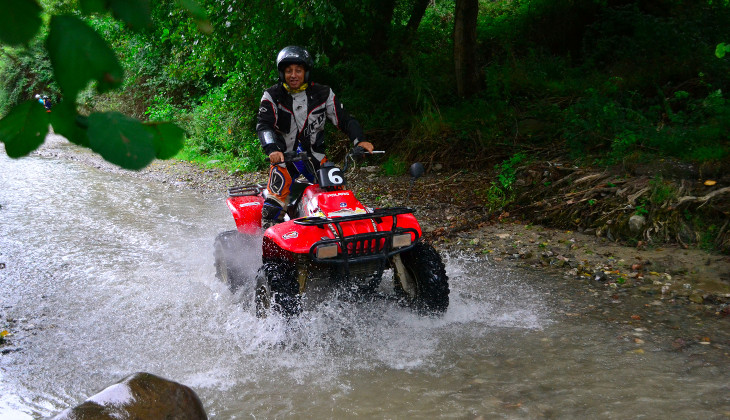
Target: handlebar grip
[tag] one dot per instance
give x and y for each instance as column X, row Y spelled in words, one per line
column 288, row 157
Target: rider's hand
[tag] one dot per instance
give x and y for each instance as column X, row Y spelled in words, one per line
column 276, row 157
column 366, row 145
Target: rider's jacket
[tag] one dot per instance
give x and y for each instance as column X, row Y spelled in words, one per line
column 288, row 121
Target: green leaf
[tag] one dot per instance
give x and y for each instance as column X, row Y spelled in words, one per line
column 198, row 13
column 194, row 8
column 136, row 13
column 92, row 6
column 168, row 139
column 121, row 140
column 721, row 50
column 78, row 55
column 24, row 129
column 66, row 122
column 19, row 21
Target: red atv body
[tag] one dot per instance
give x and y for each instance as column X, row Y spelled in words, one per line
column 330, row 240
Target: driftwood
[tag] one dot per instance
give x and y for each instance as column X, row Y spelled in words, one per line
column 704, row 199
column 633, row 197
column 587, row 178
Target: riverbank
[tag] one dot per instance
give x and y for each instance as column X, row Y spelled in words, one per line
column 453, row 218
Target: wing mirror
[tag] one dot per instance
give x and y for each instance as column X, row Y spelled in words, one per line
column 417, row 170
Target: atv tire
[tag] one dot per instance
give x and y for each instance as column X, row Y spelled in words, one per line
column 420, row 279
column 228, row 251
column 277, row 288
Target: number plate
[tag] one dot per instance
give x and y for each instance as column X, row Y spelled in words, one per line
column 331, row 177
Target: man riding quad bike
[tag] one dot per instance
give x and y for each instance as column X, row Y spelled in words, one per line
column 329, row 240
column 330, row 236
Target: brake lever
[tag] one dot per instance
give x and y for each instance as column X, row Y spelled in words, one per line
column 289, row 157
column 357, row 152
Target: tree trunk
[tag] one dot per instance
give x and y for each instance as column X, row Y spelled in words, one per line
column 465, row 45
column 381, row 25
column 419, row 9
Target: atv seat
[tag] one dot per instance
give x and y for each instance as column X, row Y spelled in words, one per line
column 295, row 194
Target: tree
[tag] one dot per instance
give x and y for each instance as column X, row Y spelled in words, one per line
column 465, row 45
column 419, row 9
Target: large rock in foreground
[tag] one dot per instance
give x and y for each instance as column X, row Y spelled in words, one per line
column 139, row 396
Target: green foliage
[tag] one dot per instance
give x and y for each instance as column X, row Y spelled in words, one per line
column 161, row 109
column 501, row 191
column 217, row 129
column 604, row 79
column 79, row 55
column 394, row 166
column 24, row 129
column 661, row 191
column 721, row 50
column 19, row 21
column 507, row 170
column 109, row 135
column 682, row 126
column 28, row 72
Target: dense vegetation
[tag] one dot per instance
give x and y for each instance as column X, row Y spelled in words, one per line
column 612, row 80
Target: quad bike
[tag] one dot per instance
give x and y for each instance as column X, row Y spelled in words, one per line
column 329, row 240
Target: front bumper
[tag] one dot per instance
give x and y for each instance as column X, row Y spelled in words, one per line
column 363, row 247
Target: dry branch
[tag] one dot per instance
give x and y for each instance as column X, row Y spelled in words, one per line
column 587, row 178
column 704, row 199
column 633, row 197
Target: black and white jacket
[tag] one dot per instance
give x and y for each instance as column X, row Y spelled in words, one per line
column 286, row 121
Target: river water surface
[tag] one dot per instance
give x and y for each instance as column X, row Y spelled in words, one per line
column 108, row 274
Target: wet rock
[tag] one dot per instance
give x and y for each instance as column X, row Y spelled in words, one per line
column 139, row 396
column 600, row 276
column 526, row 254
column 610, row 236
column 636, row 223
column 696, row 298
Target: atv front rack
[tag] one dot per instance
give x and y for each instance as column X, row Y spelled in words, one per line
column 244, row 190
column 364, row 246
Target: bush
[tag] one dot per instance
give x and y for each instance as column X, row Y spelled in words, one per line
column 216, row 128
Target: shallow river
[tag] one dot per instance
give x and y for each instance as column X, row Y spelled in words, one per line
column 106, row 274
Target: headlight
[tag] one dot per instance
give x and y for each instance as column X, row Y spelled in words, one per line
column 399, row 241
column 327, row 251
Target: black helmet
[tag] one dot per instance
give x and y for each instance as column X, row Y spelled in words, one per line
column 294, row 55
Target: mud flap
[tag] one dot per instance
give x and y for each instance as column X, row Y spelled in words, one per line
column 406, row 281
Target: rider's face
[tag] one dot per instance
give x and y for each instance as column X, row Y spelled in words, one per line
column 294, row 75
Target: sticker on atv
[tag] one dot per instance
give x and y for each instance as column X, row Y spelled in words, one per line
column 250, row 203
column 290, row 235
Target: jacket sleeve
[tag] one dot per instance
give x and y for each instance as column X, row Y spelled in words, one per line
column 339, row 116
column 266, row 125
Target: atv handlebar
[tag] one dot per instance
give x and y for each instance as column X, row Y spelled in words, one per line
column 292, row 156
column 289, row 157
column 358, row 152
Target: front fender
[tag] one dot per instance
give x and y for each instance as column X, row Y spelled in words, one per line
column 246, row 211
column 294, row 238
